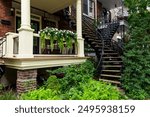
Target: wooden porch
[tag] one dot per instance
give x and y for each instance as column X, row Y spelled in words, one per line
column 43, row 61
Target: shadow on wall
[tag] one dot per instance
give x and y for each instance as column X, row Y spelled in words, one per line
column 9, row 78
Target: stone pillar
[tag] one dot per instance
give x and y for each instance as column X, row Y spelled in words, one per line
column 25, row 32
column 79, row 28
column 26, row 80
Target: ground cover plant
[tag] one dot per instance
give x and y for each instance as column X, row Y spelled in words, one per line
column 74, row 82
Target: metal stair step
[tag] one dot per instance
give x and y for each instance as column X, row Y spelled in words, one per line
column 116, row 66
column 110, row 81
column 111, row 76
column 110, row 53
column 112, row 57
column 116, row 71
column 112, row 61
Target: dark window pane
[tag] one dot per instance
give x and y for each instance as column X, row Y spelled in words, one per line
column 85, row 7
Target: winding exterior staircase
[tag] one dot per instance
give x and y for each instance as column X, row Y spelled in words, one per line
column 108, row 51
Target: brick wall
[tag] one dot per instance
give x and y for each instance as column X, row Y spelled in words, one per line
column 99, row 9
column 5, row 6
column 26, row 80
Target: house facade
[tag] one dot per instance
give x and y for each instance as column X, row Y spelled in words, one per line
column 20, row 22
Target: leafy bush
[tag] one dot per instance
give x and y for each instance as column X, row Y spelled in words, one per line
column 40, row 94
column 94, row 90
column 136, row 77
column 8, row 95
column 74, row 75
column 77, row 84
column 1, row 87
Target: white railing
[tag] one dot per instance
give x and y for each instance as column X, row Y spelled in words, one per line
column 47, row 49
column 11, row 46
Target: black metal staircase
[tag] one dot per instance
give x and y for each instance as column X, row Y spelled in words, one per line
column 107, row 51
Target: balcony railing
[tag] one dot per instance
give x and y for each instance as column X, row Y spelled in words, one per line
column 12, row 47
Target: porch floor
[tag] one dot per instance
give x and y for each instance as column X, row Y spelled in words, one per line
column 43, row 61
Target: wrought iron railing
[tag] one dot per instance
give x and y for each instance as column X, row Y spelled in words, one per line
column 88, row 22
column 117, row 46
column 3, row 40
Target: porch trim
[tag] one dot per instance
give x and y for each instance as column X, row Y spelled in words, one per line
column 42, row 62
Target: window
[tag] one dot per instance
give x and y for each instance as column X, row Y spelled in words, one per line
column 88, row 7
column 85, row 7
column 91, row 6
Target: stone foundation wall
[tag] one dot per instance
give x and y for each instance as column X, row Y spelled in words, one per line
column 26, row 80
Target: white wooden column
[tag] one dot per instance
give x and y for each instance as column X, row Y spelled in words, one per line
column 79, row 28
column 25, row 49
column 95, row 9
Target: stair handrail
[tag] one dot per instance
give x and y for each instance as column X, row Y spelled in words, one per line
column 117, row 46
column 2, row 43
column 100, row 37
column 99, row 65
column 3, row 40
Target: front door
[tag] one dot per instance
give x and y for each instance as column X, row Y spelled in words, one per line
column 34, row 25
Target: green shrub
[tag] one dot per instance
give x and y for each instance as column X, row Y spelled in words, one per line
column 8, row 95
column 136, row 76
column 1, row 87
column 52, row 83
column 74, row 75
column 94, row 90
column 40, row 94
column 77, row 84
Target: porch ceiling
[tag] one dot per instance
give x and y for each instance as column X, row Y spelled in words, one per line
column 50, row 6
column 111, row 4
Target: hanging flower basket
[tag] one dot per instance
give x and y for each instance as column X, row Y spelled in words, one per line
column 62, row 37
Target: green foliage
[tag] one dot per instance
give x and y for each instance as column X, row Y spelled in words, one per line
column 1, row 87
column 77, row 83
column 136, row 77
column 40, row 94
column 94, row 90
column 8, row 95
column 75, row 74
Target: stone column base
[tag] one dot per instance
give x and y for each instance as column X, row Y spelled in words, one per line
column 26, row 80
